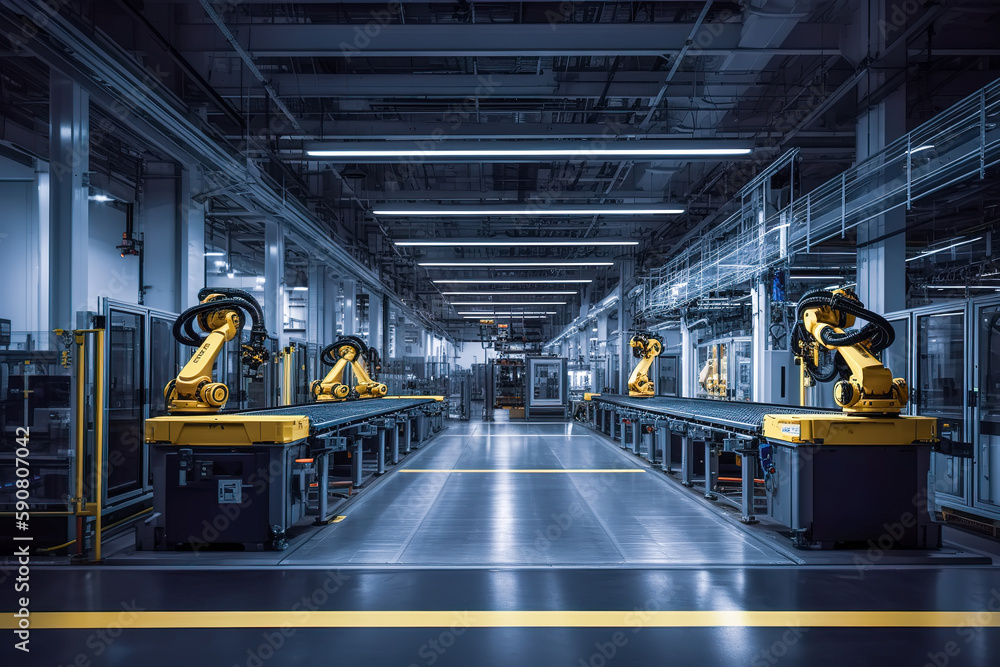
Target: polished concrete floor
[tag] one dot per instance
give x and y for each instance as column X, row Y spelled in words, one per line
column 513, row 544
column 530, row 494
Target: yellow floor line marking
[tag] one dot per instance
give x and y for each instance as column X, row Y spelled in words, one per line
column 338, row 519
column 504, row 619
column 534, row 470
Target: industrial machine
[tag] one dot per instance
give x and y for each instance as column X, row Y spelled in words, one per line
column 224, row 479
column 645, row 347
column 364, row 361
column 832, row 477
column 222, row 315
column 844, row 477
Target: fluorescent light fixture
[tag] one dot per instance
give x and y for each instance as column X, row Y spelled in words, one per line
column 506, row 317
column 502, row 293
column 508, row 303
column 812, row 277
column 964, row 287
column 925, row 147
column 215, row 253
column 462, row 243
column 220, row 263
column 532, row 281
column 515, row 265
column 490, row 312
column 581, row 150
column 100, row 198
column 947, row 247
column 261, row 280
column 305, row 289
column 532, row 210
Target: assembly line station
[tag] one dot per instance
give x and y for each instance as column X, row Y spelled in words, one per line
column 500, row 333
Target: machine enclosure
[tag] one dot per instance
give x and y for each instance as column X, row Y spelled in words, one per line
column 200, row 508
column 870, row 494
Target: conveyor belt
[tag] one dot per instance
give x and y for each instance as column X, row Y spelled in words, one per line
column 325, row 416
column 739, row 416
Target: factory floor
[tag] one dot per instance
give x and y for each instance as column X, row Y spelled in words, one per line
column 521, row 544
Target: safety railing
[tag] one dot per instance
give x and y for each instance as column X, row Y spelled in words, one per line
column 958, row 144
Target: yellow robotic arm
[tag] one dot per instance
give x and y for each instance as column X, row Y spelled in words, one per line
column 220, row 315
column 646, row 348
column 865, row 385
column 349, row 351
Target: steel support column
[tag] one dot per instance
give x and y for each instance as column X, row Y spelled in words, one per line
column 274, row 272
column 69, row 231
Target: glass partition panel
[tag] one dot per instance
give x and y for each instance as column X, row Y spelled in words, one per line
column 941, row 387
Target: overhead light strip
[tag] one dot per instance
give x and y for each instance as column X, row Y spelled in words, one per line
column 947, row 247
column 530, row 281
column 464, row 243
column 539, row 211
column 503, row 293
column 346, row 153
column 508, row 303
column 515, row 265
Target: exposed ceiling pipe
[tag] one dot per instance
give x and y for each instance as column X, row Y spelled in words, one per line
column 849, row 85
column 674, row 67
column 248, row 59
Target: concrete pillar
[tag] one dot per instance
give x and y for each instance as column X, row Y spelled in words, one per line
column 625, row 324
column 376, row 319
column 881, row 273
column 385, row 344
column 69, row 221
column 315, row 333
column 191, row 241
column 331, row 287
column 760, row 321
column 349, row 311
column 158, row 219
column 274, row 273
column 687, row 360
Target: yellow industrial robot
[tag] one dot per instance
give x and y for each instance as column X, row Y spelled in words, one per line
column 870, row 397
column 363, row 360
column 839, row 477
column 865, row 385
column 221, row 314
column 645, row 347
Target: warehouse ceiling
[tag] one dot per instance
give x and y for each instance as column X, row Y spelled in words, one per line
column 279, row 80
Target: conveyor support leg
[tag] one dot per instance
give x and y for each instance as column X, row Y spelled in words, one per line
column 356, row 462
column 381, row 451
column 687, row 460
column 709, row 475
column 663, row 438
column 395, row 444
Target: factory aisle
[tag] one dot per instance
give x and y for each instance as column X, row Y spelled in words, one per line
column 520, row 494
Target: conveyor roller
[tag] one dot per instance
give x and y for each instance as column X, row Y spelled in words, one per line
column 325, row 416
column 746, row 418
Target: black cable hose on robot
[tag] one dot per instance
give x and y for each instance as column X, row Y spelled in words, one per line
column 877, row 331
column 236, row 299
column 329, row 354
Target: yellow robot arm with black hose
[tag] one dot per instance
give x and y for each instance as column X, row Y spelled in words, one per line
column 363, row 360
column 865, row 385
column 646, row 348
column 221, row 314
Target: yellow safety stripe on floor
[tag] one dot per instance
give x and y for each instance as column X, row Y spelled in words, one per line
column 537, row 470
column 504, row 619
